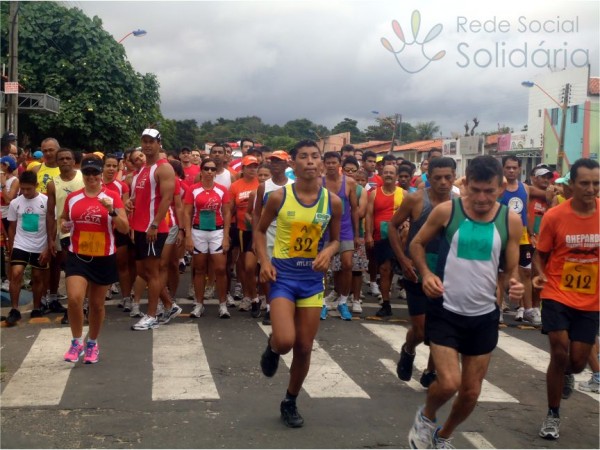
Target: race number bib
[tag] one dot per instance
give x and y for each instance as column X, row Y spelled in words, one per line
column 304, row 240
column 92, row 243
column 207, row 220
column 578, row 277
column 30, row 222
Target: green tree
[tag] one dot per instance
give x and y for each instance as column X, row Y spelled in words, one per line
column 349, row 125
column 426, row 130
column 280, row 142
column 304, row 129
column 105, row 103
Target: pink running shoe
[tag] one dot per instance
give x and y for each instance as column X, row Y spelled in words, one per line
column 91, row 353
column 74, row 352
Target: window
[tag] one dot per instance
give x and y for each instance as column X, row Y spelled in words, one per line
column 574, row 113
column 539, row 113
column 554, row 116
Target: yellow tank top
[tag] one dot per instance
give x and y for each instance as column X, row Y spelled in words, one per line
column 44, row 175
column 298, row 233
column 62, row 189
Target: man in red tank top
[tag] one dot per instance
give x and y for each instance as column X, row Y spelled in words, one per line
column 151, row 195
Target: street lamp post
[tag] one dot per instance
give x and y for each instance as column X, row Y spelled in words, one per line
column 397, row 119
column 136, row 33
column 563, row 123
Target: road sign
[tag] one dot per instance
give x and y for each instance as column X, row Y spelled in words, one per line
column 11, row 87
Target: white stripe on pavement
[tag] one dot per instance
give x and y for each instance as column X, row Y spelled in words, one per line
column 477, row 439
column 180, row 368
column 43, row 374
column 536, row 358
column 325, row 379
column 395, row 336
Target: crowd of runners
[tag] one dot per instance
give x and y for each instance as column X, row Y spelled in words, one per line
column 260, row 229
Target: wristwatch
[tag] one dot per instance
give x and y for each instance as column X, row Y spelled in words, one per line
column 154, row 226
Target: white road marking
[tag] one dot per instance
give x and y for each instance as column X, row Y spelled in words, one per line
column 536, row 358
column 395, row 336
column 477, row 440
column 180, row 369
column 43, row 374
column 326, row 379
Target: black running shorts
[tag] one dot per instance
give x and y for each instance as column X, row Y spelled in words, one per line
column 582, row 326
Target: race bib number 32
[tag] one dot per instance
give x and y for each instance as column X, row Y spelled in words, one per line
column 304, row 240
column 577, row 277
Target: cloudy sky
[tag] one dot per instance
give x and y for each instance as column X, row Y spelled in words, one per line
column 324, row 60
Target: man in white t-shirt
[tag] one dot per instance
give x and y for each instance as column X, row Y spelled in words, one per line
column 28, row 244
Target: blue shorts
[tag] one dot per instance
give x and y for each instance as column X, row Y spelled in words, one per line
column 306, row 294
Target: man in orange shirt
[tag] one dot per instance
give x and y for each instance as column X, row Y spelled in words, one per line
column 565, row 265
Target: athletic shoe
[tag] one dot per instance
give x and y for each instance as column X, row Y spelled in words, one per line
column 331, row 300
column 171, row 314
column 356, row 307
column 421, row 433
column 224, row 312
column 290, row 415
column 269, row 361
column 501, row 319
column 160, row 310
column 344, row 311
column 230, row 302
column 245, row 304
column 61, row 297
column 427, row 378
column 109, row 294
column 324, row 312
column 6, row 285
column 75, row 352
column 591, row 385
column 533, row 316
column 519, row 315
column 404, row 368
column 440, row 442
column 255, row 309
column 402, row 293
column 263, row 302
column 135, row 311
column 127, row 303
column 550, row 427
column 209, row 292
column 373, row 290
column 56, row 307
column 13, row 317
column 115, row 288
column 191, row 293
column 198, row 311
column 568, row 386
column 267, row 318
column 385, row 310
column 36, row 313
column 182, row 267
column 91, row 353
column 145, row 323
column 237, row 291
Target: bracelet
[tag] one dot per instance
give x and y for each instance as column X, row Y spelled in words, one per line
column 182, row 229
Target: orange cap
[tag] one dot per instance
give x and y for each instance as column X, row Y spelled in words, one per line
column 247, row 160
column 280, row 154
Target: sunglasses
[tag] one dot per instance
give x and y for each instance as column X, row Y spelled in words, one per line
column 210, row 169
column 349, row 170
column 88, row 173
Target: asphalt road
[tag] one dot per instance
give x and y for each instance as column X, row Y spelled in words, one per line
column 196, row 383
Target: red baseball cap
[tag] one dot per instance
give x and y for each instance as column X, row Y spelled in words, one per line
column 280, row 154
column 247, row 160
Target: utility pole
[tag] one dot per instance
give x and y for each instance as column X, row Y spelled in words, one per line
column 397, row 119
column 13, row 69
column 561, row 143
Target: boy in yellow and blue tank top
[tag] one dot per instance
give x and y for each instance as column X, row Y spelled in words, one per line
column 303, row 212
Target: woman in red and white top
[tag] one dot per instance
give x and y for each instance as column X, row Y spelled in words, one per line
column 122, row 241
column 207, row 220
column 90, row 215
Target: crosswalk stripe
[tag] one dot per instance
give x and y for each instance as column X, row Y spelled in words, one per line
column 395, row 336
column 536, row 358
column 44, row 362
column 180, row 367
column 325, row 379
column 477, row 439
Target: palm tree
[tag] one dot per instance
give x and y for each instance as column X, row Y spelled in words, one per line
column 427, row 130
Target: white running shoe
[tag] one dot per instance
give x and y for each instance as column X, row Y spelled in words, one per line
column 160, row 310
column 230, row 301
column 550, row 427
column 263, row 302
column 127, row 304
column 6, row 285
column 135, row 311
column 331, row 300
column 171, row 314
column 109, row 294
column 519, row 315
column 198, row 311
column 356, row 307
column 145, row 323
column 421, row 433
column 223, row 311
column 533, row 316
column 237, row 291
column 115, row 288
column 374, row 290
column 209, row 292
column 245, row 304
column 591, row 385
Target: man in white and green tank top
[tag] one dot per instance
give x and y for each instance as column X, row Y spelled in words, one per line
column 478, row 236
